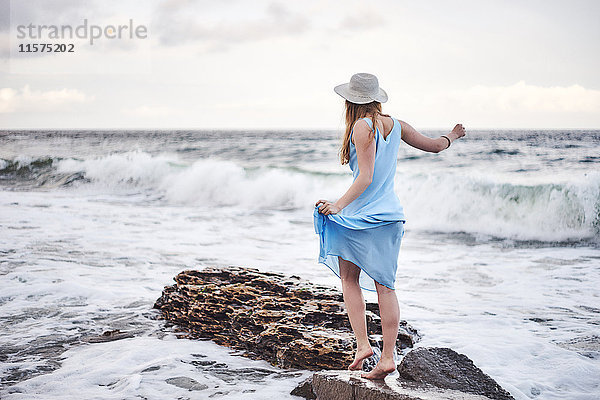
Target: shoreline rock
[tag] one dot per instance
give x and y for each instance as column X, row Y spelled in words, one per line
column 348, row 385
column 292, row 323
column 424, row 373
column 109, row 336
column 285, row 320
column 445, row 368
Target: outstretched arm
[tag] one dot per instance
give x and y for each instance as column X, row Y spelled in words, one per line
column 422, row 142
column 365, row 157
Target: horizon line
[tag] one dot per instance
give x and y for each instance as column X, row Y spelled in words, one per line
column 269, row 129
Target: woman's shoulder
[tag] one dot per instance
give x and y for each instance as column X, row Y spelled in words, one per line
column 367, row 122
column 386, row 119
column 388, row 122
column 361, row 127
column 364, row 125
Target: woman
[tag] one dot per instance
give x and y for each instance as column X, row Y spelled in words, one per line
column 360, row 233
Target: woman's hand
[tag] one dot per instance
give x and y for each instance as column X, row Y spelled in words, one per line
column 457, row 132
column 425, row 143
column 327, row 207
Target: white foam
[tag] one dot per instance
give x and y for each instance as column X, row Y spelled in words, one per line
column 479, row 203
column 206, row 182
column 466, row 201
column 140, row 367
column 96, row 262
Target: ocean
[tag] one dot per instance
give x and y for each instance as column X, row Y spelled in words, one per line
column 500, row 260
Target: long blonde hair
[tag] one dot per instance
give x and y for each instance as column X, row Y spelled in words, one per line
column 353, row 113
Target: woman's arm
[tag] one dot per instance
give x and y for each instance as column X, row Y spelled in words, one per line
column 422, row 142
column 365, row 155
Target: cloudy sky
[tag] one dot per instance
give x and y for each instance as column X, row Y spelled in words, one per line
column 273, row 64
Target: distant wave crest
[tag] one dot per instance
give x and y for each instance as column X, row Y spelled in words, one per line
column 434, row 201
column 541, row 212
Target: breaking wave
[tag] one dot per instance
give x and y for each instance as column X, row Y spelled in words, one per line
column 432, row 201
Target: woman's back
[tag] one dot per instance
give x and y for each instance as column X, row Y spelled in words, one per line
column 379, row 197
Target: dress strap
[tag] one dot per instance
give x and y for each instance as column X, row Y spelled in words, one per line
column 369, row 122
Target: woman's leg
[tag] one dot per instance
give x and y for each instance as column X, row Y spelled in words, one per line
column 355, row 307
column 390, row 318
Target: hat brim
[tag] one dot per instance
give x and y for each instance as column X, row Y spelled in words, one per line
column 344, row 91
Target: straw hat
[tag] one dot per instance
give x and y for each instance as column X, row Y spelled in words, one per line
column 363, row 88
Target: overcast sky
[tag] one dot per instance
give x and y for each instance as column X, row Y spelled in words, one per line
column 273, row 64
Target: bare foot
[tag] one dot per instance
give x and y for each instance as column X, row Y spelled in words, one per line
column 381, row 370
column 361, row 354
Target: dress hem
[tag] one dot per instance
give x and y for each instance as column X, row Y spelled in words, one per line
column 362, row 269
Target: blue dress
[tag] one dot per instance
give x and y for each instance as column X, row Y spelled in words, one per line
column 368, row 231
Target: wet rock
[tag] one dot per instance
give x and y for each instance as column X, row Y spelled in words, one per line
column 284, row 320
column 445, row 368
column 186, row 383
column 348, row 385
column 109, row 336
column 39, row 356
column 424, row 373
column 304, row 389
column 588, row 346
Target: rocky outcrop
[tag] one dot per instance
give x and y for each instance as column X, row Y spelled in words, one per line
column 424, row 373
column 284, row 320
column 293, row 323
column 305, row 389
column 445, row 368
column 348, row 385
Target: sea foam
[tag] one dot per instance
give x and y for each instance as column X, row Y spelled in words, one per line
column 465, row 201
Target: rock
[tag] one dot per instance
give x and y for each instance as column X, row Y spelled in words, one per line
column 348, row 385
column 186, row 383
column 304, row 389
column 109, row 336
column 445, row 368
column 588, row 346
column 425, row 374
column 284, row 320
